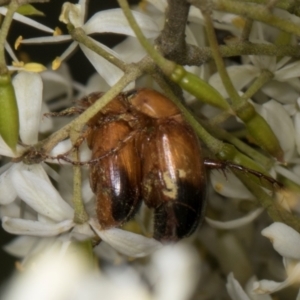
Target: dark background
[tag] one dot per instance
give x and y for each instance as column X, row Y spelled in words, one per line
column 80, row 67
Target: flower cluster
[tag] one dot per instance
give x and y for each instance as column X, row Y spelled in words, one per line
column 55, row 237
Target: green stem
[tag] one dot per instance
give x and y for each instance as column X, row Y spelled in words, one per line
column 188, row 81
column 246, row 30
column 264, row 77
column 256, row 12
column 220, row 118
column 211, row 36
column 12, row 7
column 79, row 35
column 248, row 48
column 243, row 147
column 159, row 59
column 200, row 55
column 80, row 214
column 290, row 6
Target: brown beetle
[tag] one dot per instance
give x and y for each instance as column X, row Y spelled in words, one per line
column 158, row 159
column 115, row 178
column 143, row 149
column 173, row 174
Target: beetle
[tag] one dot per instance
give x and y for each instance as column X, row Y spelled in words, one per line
column 173, row 174
column 158, row 160
column 115, row 178
column 144, row 150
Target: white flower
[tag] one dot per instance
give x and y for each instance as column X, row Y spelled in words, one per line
column 237, row 223
column 236, row 292
column 105, row 21
column 285, row 130
column 64, row 269
column 280, row 123
column 286, row 242
column 280, row 88
column 28, row 88
column 27, row 21
column 55, row 217
column 73, row 276
column 175, row 272
column 29, row 94
column 58, row 85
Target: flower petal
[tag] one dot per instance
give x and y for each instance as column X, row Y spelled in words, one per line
column 28, row 89
column 287, row 173
column 280, row 91
column 128, row 243
column 21, row 245
column 229, row 185
column 177, row 266
column 285, row 240
column 39, row 194
column 124, row 50
column 251, row 294
column 240, row 76
column 264, row 62
column 7, row 191
column 57, row 84
column 108, row 71
column 237, row 223
column 234, row 289
column 27, row 21
column 158, row 4
column 35, row 228
column 61, row 148
column 68, row 51
column 82, row 232
column 71, row 14
column 47, row 39
column 289, row 71
column 269, row 286
column 113, row 20
column 281, row 123
column 95, row 83
column 55, row 273
column 36, row 169
column 46, row 124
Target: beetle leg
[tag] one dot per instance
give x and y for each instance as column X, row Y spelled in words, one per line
column 66, row 112
column 113, row 151
column 223, row 165
column 216, row 164
column 64, row 156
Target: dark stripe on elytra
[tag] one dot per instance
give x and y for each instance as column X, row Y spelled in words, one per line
column 125, row 204
column 179, row 218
